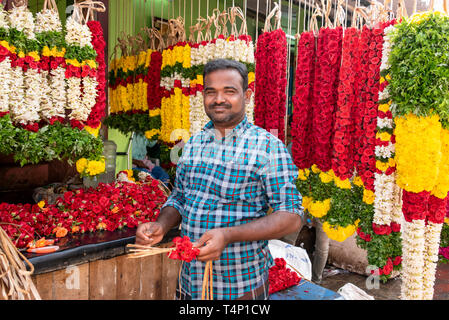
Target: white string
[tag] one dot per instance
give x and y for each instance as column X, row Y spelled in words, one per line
column 257, row 20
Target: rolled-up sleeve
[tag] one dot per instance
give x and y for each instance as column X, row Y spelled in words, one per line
column 278, row 177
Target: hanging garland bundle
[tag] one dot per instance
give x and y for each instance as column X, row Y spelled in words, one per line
column 271, row 58
column 302, row 101
column 36, row 61
column 134, row 85
column 237, row 46
column 416, row 89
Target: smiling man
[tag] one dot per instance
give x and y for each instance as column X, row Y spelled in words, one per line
column 228, row 177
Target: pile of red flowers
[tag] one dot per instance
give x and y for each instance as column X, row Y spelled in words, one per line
column 301, row 127
column 108, row 207
column 280, row 277
column 329, row 49
column 184, row 249
column 271, row 72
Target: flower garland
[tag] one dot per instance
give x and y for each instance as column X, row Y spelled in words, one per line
column 424, row 188
column 271, row 58
column 301, row 127
column 80, row 74
column 108, row 207
column 5, row 66
column 280, row 277
column 98, row 42
column 329, row 59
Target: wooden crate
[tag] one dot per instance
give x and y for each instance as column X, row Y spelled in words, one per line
column 118, row 278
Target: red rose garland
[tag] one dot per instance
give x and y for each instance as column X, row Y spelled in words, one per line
column 271, row 66
column 98, row 42
column 301, row 127
column 343, row 159
column 329, row 60
column 153, row 78
column 184, row 249
column 372, row 43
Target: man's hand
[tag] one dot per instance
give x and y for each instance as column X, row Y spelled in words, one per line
column 149, row 233
column 211, row 245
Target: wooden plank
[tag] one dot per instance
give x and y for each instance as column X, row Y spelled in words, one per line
column 71, row 283
column 103, row 279
column 44, row 285
column 170, row 273
column 128, row 278
column 151, row 277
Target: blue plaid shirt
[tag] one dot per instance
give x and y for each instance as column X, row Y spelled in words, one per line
column 227, row 182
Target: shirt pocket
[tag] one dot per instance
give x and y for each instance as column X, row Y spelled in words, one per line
column 238, row 182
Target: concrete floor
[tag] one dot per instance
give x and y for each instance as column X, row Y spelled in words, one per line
column 334, row 279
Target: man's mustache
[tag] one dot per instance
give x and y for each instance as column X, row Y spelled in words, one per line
column 225, row 105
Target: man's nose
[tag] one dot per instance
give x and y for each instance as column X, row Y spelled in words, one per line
column 220, row 98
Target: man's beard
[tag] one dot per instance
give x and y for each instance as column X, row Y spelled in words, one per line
column 220, row 118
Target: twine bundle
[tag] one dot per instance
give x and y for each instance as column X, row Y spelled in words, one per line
column 15, row 280
column 141, row 251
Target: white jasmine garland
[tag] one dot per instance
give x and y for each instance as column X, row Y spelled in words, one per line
column 432, row 235
column 22, row 19
column 385, row 151
column 6, row 84
column 48, row 20
column 3, row 18
column 74, row 97
column 58, row 93
column 33, row 94
column 89, row 97
column 413, row 245
column 78, row 33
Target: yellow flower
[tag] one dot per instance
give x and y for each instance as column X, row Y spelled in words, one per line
column 73, row 62
column 186, row 60
column 325, row 178
column 93, row 131
column 368, row 196
column 21, row 54
column 339, row 233
column 388, row 78
column 382, row 166
column 383, row 136
column 442, row 184
column 149, row 134
column 41, row 204
column 306, row 201
column 155, row 112
column 46, row 51
column 358, row 181
column 315, row 169
column 95, row 167
column 251, row 77
column 90, row 63
column 446, row 220
column 303, row 174
column 384, row 107
column 342, row 184
column 34, row 55
column 319, row 209
column 381, row 80
column 81, row 165
column 199, row 79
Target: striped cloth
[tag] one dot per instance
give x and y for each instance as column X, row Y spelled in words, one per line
column 225, row 182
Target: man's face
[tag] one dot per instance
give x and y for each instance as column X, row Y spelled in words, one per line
column 224, row 98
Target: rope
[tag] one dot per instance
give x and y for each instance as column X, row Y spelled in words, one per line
column 208, row 282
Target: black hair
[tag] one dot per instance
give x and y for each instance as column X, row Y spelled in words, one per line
column 224, row 64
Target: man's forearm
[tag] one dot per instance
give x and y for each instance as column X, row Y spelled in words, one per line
column 169, row 217
column 272, row 226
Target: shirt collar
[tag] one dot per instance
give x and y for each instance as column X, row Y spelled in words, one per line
column 238, row 130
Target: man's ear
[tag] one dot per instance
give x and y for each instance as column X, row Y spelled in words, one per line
column 248, row 94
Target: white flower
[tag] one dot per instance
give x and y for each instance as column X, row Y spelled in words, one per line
column 74, row 97
column 47, row 20
column 22, row 19
column 78, row 33
column 5, row 84
column 58, row 93
column 3, row 18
